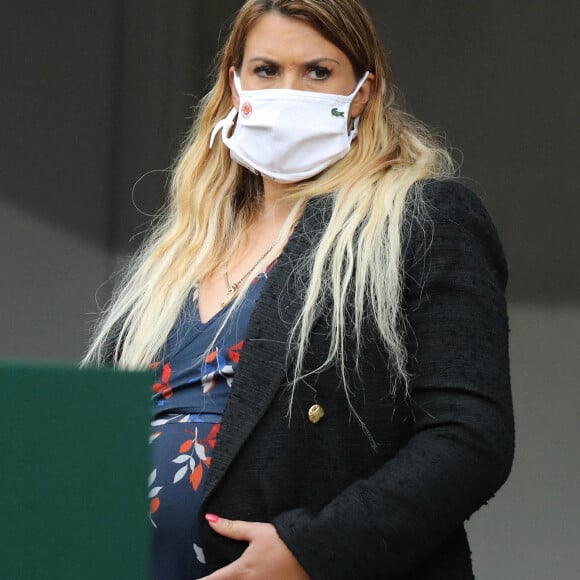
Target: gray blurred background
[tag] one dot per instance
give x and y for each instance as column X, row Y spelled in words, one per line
column 95, row 98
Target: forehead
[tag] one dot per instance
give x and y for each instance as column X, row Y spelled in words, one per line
column 281, row 37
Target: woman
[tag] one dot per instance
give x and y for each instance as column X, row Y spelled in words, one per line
column 324, row 309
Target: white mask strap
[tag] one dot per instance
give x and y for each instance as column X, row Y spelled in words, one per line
column 237, row 82
column 354, row 131
column 227, row 123
column 224, row 124
column 359, row 85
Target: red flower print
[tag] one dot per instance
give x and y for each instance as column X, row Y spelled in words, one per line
column 211, row 438
column 196, row 475
column 154, row 505
column 186, row 446
column 234, row 352
column 193, row 456
column 163, row 387
column 211, row 356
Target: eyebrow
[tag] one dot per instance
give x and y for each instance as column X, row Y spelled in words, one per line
column 313, row 62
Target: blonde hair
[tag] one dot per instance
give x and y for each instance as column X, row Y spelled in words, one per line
column 213, row 198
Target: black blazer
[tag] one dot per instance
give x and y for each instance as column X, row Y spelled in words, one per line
column 345, row 509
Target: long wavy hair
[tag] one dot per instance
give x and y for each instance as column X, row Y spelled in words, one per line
column 212, row 199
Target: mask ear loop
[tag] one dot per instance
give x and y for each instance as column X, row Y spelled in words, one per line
column 238, row 83
column 354, row 131
column 226, row 124
column 359, row 85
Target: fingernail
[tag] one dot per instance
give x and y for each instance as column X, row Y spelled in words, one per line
column 212, row 518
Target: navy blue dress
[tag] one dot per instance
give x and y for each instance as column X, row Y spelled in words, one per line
column 190, row 392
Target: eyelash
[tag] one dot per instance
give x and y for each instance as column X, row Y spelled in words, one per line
column 268, row 71
column 265, row 70
column 320, row 69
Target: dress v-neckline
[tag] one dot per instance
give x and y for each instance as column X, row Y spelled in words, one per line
column 223, row 309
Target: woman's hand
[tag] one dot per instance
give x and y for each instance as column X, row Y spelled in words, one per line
column 266, row 556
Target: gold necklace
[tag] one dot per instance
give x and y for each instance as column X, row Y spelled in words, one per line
column 232, row 288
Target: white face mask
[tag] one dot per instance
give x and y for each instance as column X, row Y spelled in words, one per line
column 286, row 134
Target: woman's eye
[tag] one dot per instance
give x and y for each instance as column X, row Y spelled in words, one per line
column 265, row 71
column 319, row 73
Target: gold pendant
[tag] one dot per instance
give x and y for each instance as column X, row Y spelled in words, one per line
column 232, row 290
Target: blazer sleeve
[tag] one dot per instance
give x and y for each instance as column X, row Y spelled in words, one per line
column 462, row 442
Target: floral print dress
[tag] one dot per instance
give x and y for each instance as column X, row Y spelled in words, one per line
column 189, row 396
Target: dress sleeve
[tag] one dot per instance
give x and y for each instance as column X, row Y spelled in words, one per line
column 461, row 448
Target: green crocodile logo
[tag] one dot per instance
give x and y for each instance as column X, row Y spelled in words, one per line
column 336, row 113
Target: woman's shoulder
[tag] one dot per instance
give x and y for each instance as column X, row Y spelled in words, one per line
column 448, row 204
column 447, row 218
column 445, row 199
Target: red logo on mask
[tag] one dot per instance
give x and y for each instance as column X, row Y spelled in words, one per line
column 246, row 110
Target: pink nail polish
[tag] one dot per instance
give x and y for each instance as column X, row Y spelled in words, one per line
column 212, row 518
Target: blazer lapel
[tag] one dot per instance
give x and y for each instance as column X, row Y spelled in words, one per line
column 263, row 361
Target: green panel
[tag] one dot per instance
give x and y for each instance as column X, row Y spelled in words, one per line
column 74, row 456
